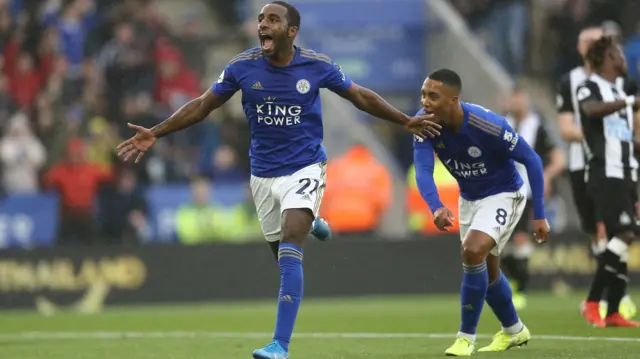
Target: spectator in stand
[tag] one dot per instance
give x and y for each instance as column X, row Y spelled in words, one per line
column 202, row 221
column 5, row 26
column 102, row 138
column 123, row 210
column 632, row 51
column 225, row 167
column 78, row 19
column 567, row 24
column 77, row 181
column 508, row 22
column 22, row 156
column 356, row 206
column 176, row 84
column 7, row 106
column 25, row 82
column 125, row 65
column 48, row 51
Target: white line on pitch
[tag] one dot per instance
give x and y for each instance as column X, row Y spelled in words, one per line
column 248, row 335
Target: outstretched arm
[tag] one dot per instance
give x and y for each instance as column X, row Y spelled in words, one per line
column 370, row 102
column 193, row 112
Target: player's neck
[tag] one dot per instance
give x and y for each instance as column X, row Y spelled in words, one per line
column 587, row 67
column 456, row 121
column 282, row 58
column 608, row 75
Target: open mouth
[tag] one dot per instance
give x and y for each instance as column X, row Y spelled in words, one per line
column 266, row 42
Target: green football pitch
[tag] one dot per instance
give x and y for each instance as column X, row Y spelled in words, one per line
column 409, row 327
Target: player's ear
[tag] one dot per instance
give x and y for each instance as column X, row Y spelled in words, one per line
column 292, row 31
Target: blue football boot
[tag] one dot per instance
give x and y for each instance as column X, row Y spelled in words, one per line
column 271, row 351
column 321, row 230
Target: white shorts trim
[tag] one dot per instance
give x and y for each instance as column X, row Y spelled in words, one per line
column 272, row 196
column 496, row 215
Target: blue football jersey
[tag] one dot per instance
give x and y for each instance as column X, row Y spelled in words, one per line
column 282, row 105
column 479, row 156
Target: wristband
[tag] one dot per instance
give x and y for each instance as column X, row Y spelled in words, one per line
column 630, row 100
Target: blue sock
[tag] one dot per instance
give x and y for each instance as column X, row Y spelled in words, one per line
column 499, row 299
column 291, row 287
column 475, row 281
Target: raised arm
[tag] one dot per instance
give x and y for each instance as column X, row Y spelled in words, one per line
column 370, row 102
column 193, row 112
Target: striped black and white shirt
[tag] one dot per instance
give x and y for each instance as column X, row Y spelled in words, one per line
column 609, row 144
column 566, row 102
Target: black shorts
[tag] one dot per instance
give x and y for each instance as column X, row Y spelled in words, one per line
column 616, row 201
column 584, row 203
column 524, row 224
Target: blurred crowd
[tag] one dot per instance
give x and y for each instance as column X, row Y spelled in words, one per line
column 73, row 73
column 540, row 36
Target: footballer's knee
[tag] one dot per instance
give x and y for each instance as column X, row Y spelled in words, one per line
column 475, row 247
column 296, row 223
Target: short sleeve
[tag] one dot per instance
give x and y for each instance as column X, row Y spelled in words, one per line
column 563, row 95
column 335, row 79
column 547, row 141
column 587, row 91
column 226, row 85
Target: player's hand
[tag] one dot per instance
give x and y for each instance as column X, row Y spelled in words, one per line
column 541, row 230
column 136, row 145
column 423, row 126
column 443, row 218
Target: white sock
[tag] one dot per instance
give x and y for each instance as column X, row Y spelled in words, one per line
column 471, row 337
column 514, row 329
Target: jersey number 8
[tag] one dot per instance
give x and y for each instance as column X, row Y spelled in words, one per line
column 501, row 216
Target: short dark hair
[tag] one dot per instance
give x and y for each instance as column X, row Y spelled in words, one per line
column 447, row 77
column 293, row 15
column 597, row 51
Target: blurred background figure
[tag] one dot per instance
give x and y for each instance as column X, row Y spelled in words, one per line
column 83, row 69
column 358, row 192
column 203, row 221
column 77, row 182
column 533, row 128
column 122, row 214
column 22, row 155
